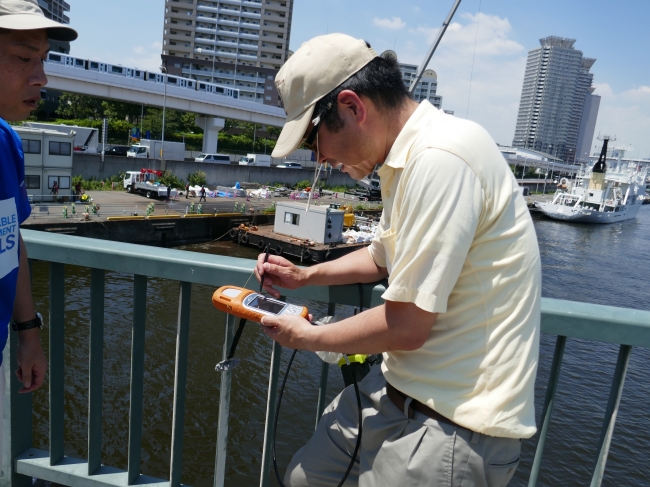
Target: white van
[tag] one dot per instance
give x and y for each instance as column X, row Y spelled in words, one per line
column 213, row 158
column 255, row 160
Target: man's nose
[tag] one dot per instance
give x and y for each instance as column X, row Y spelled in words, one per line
column 38, row 77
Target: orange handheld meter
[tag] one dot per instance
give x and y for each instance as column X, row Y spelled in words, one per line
column 252, row 306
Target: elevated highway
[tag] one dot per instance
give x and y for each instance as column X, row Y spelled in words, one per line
column 138, row 91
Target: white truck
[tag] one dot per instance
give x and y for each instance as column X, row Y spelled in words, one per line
column 255, row 160
column 150, row 149
column 144, row 182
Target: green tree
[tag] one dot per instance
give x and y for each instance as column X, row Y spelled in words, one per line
column 73, row 106
column 169, row 179
column 197, row 178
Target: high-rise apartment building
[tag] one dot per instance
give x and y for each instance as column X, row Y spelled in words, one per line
column 426, row 87
column 558, row 110
column 55, row 10
column 240, row 43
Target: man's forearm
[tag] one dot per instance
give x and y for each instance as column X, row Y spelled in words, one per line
column 349, row 269
column 23, row 304
column 389, row 327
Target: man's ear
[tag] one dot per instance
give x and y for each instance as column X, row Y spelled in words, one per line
column 351, row 105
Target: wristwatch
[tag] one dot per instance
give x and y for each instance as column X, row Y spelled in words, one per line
column 28, row 325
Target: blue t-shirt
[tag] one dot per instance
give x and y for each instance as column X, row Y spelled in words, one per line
column 14, row 209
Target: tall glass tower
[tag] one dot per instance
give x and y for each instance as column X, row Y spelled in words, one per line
column 558, row 110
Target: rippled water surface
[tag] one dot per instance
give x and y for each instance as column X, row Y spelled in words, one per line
column 605, row 264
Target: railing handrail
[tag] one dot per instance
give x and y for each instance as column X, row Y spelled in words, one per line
column 176, row 265
column 559, row 317
column 626, row 327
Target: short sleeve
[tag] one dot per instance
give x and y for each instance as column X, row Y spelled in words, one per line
column 376, row 249
column 436, row 214
column 15, row 150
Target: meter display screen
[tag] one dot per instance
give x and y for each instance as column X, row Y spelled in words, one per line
column 264, row 304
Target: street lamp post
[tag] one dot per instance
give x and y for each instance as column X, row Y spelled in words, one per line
column 162, row 145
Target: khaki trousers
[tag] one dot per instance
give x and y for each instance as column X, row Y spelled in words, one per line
column 397, row 451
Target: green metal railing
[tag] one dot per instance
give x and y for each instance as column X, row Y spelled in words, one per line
column 22, row 461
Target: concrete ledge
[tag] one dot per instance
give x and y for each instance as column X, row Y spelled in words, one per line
column 163, row 217
column 201, row 215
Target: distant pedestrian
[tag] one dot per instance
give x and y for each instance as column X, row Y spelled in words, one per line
column 202, row 193
column 77, row 188
column 187, row 190
column 169, row 191
column 55, row 188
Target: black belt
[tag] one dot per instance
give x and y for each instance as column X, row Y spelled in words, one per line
column 399, row 399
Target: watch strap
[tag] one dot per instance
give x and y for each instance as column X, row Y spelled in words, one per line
column 37, row 322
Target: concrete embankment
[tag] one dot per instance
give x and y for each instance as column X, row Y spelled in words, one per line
column 91, row 166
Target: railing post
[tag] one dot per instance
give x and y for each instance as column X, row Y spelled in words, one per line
column 551, row 389
column 96, row 368
column 180, row 381
column 224, row 407
column 57, row 369
column 270, row 414
column 324, row 372
column 137, row 376
column 610, row 413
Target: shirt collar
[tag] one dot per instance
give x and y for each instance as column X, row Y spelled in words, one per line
column 398, row 154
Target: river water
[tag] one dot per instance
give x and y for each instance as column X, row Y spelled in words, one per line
column 604, row 264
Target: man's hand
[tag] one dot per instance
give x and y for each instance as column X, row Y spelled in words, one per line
column 279, row 272
column 290, row 331
column 32, row 363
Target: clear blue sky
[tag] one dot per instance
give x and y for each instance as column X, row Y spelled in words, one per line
column 615, row 33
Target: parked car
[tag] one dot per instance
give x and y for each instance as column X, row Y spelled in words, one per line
column 118, row 150
column 290, row 165
column 213, row 158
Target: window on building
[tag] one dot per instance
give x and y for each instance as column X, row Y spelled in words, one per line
column 63, row 181
column 31, row 146
column 60, row 149
column 291, row 218
column 32, row 182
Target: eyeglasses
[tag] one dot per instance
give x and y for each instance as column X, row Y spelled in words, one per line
column 311, row 136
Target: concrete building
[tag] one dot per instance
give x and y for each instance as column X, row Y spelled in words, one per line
column 428, row 85
column 557, row 110
column 239, row 43
column 55, row 10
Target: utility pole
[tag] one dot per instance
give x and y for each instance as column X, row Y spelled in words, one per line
column 433, row 47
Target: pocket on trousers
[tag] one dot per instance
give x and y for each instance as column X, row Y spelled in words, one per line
column 499, row 474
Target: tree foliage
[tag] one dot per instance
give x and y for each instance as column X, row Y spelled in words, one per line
column 196, row 178
column 87, row 111
column 170, row 180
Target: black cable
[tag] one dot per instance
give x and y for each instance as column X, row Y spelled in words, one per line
column 356, row 390
column 235, row 340
column 277, row 415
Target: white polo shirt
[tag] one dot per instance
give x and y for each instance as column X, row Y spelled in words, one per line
column 458, row 240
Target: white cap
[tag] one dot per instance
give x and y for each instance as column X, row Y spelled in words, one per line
column 27, row 15
column 318, row 67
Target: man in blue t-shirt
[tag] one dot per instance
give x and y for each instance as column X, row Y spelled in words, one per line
column 24, row 43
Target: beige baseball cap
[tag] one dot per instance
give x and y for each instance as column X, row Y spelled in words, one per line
column 319, row 66
column 27, row 15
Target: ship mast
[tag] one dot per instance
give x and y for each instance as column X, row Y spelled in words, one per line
column 597, row 180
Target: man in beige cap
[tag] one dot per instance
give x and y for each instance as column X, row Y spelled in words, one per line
column 459, row 327
column 24, row 34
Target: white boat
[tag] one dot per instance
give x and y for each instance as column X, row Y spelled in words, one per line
column 599, row 194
